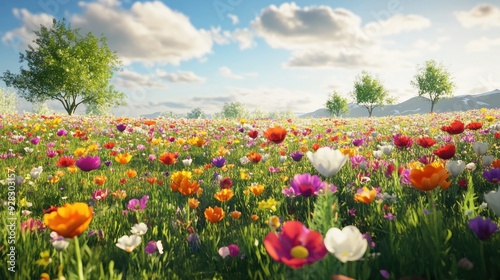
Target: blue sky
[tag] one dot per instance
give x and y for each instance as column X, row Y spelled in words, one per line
column 268, row 55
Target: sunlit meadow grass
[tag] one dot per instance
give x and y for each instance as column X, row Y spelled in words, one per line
column 415, row 234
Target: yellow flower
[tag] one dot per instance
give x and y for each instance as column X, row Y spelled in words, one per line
column 224, row 195
column 244, row 175
column 45, row 258
column 92, row 148
column 366, row 195
column 119, row 194
column 490, row 118
column 80, row 152
column 44, row 276
column 53, row 179
column 100, row 180
column 72, row 169
column 123, row 158
column 156, row 141
column 193, row 203
column 181, row 141
column 256, row 188
column 177, row 179
column 268, row 204
column 131, row 173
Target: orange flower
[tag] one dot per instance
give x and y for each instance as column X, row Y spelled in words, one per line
column 224, row 195
column 131, row 173
column 109, row 145
column 151, row 180
column 70, row 220
column 235, row 214
column 100, row 180
column 65, row 162
column 149, row 122
column 430, row 177
column 193, row 203
column 495, row 163
column 168, row 158
column 365, row 195
column 315, row 146
column 254, row 157
column 275, row 134
column 177, row 178
column 123, row 158
column 214, row 215
column 256, row 189
column 254, row 217
column 187, row 188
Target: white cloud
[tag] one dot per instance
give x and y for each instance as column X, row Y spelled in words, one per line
column 136, row 81
column 148, row 32
column 482, row 15
column 234, row 18
column 178, row 77
column 228, row 73
column 426, row 45
column 244, row 37
column 396, row 24
column 21, row 37
column 483, row 44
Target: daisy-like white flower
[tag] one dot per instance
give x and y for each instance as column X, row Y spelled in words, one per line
column 139, row 229
column 128, row 243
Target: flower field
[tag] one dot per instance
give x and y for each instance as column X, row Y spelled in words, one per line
column 413, row 197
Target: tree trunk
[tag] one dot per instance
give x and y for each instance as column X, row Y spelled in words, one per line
column 432, row 106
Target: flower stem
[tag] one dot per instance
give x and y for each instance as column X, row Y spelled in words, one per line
column 79, row 259
column 61, row 266
column 483, row 264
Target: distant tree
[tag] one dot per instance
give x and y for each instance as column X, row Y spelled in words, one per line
column 169, row 115
column 283, row 114
column 433, row 81
column 67, row 67
column 196, row 113
column 42, row 108
column 98, row 110
column 370, row 93
column 8, row 102
column 337, row 105
column 258, row 113
column 233, row 110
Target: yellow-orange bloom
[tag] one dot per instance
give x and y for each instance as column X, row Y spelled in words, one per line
column 131, row 173
column 123, row 158
column 187, row 187
column 256, row 188
column 214, row 215
column 254, row 217
column 168, row 158
column 80, row 152
column 430, row 177
column 100, row 180
column 177, row 178
column 224, row 195
column 365, row 195
column 69, row 220
column 193, row 203
column 235, row 214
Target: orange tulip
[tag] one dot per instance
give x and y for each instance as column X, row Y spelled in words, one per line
column 168, row 158
column 275, row 134
column 214, row 215
column 123, row 158
column 70, row 220
column 100, row 180
column 187, row 188
column 193, row 203
column 235, row 214
column 256, row 189
column 430, row 177
column 131, row 173
column 224, row 195
column 365, row 195
column 177, row 179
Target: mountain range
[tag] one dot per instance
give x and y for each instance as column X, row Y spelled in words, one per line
column 421, row 105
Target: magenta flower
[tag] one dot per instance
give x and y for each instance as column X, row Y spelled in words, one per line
column 35, row 141
column 88, row 163
column 154, row 246
column 232, row 251
column 306, row 185
column 62, row 132
column 135, row 204
column 483, row 228
column 296, row 245
column 100, row 194
column 492, row 175
column 51, row 153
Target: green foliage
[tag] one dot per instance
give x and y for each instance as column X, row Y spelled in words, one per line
column 433, row 81
column 98, row 110
column 196, row 113
column 337, row 105
column 42, row 109
column 233, row 110
column 8, row 102
column 68, row 67
column 370, row 93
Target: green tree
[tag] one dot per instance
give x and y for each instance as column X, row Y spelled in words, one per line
column 433, row 81
column 98, row 110
column 370, row 93
column 337, row 105
column 233, row 110
column 196, row 113
column 8, row 102
column 68, row 67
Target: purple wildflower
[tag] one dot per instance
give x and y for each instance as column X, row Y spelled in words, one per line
column 121, row 127
column 62, row 132
column 135, row 204
column 483, row 228
column 35, row 140
column 306, row 185
column 296, row 156
column 492, row 175
column 88, row 163
column 219, row 161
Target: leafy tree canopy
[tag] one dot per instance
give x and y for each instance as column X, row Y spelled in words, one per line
column 337, row 105
column 370, row 93
column 68, row 67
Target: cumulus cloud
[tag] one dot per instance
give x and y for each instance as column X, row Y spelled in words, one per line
column 228, row 73
column 179, row 77
column 234, row 18
column 397, row 24
column 482, row 15
column 23, row 36
column 483, row 44
column 136, row 81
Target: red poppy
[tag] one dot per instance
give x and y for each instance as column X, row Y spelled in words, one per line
column 109, row 145
column 168, row 158
column 445, row 152
column 315, row 146
column 226, row 183
column 474, row 126
column 275, row 134
column 254, row 157
column 402, row 141
column 65, row 162
column 456, row 127
column 253, row 134
column 426, row 142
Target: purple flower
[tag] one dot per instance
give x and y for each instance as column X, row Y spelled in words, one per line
column 492, row 175
column 135, row 204
column 154, row 246
column 35, row 141
column 62, row 132
column 194, row 241
column 369, row 239
column 306, row 185
column 483, row 228
column 357, row 142
column 121, row 127
column 231, row 250
column 219, row 161
column 385, row 273
column 140, row 147
column 88, row 163
column 108, row 163
column 51, row 153
column 151, row 157
column 296, row 156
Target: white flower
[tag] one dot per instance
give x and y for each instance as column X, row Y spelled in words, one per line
column 187, row 162
column 128, row 243
column 327, row 161
column 159, row 247
column 35, row 172
column 480, row 148
column 282, row 159
column 28, row 149
column 347, row 244
column 493, row 200
column 224, row 252
column 244, row 160
column 487, row 160
column 455, row 167
column 377, row 154
column 386, row 149
column 470, row 166
column 139, row 229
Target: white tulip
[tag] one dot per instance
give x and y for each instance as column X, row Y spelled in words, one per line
column 35, row 172
column 493, row 200
column 480, row 148
column 470, row 166
column 455, row 167
column 139, row 229
column 327, row 161
column 347, row 244
column 377, row 154
column 487, row 160
column 187, row 162
column 128, row 243
column 386, row 149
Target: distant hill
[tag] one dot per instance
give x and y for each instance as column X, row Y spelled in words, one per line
column 420, row 105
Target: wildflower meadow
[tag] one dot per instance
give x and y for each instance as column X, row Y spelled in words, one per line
column 404, row 197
